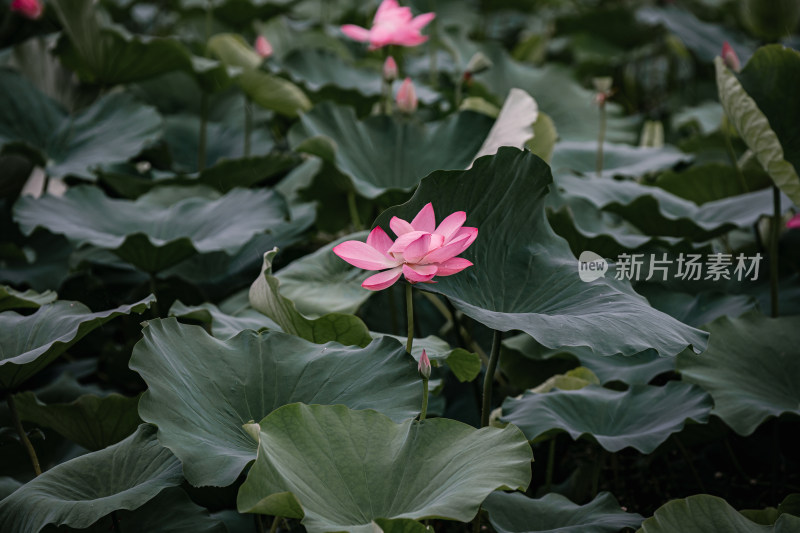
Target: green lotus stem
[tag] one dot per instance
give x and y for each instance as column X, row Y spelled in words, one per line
column 201, row 149
column 12, row 408
column 259, row 523
column 551, row 459
column 775, row 235
column 351, row 204
column 458, row 94
column 598, row 469
column 689, row 462
column 601, row 135
column 115, row 522
column 248, row 125
column 410, row 317
column 154, row 305
column 732, row 157
column 274, row 527
column 488, row 380
column 424, row 410
column 434, row 68
column 476, row 524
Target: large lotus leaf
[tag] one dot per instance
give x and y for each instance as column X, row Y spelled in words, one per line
column 657, row 212
column 267, row 90
column 81, row 491
column 524, row 276
column 382, row 153
column 618, row 159
column 765, row 118
column 322, row 68
column 713, row 181
column 104, row 53
column 516, row 513
column 90, row 421
column 321, row 283
column 514, row 124
column 221, row 324
column 696, row 309
column 149, row 236
column 29, row 343
column 115, row 127
column 201, row 420
column 750, row 369
column 642, row 417
column 340, row 470
column 266, row 297
column 287, row 35
column 13, row 299
column 703, row 513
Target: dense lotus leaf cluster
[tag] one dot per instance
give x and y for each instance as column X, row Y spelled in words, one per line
column 399, row 265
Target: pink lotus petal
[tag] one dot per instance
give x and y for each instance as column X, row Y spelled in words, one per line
column 417, row 249
column 451, row 224
column 451, row 249
column 31, row 9
column 263, row 47
column 794, row 222
column 453, row 266
column 419, row 273
column 421, row 21
column 385, row 11
column 379, row 240
column 436, row 242
column 471, row 232
column 404, row 240
column 357, row 33
column 400, row 226
column 406, row 100
column 730, row 58
column 362, row 255
column 384, row 279
column 425, row 219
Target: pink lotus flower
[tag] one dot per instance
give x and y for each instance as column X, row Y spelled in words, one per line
column 390, row 69
column 407, row 97
column 424, row 366
column 31, row 9
column 422, row 249
column 730, row 58
column 794, row 222
column 262, row 46
column 392, row 25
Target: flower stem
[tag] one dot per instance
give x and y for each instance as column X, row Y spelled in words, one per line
column 248, row 125
column 488, row 380
column 12, row 408
column 601, row 135
column 775, row 235
column 351, row 204
column 274, row 527
column 424, row 410
column 115, row 522
column 201, row 149
column 410, row 318
column 434, row 37
column 551, row 459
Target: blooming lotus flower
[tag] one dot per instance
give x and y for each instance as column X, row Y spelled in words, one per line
column 390, row 69
column 794, row 222
column 262, row 46
column 424, row 366
column 392, row 25
column 422, row 249
column 31, row 9
column 407, row 97
column 730, row 58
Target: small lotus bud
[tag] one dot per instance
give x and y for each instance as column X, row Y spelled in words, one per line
column 262, row 46
column 407, row 97
column 390, row 69
column 730, row 58
column 794, row 222
column 478, row 63
column 603, row 84
column 31, row 9
column 424, row 366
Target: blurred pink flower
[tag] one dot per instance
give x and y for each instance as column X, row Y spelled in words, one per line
column 407, row 97
column 422, row 249
column 390, row 69
column 262, row 46
column 794, row 222
column 31, row 9
column 424, row 366
column 392, row 25
column 730, row 58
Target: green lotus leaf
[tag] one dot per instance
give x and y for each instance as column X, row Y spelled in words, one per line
column 149, row 236
column 93, row 422
column 267, row 90
column 323, row 69
column 400, row 151
column 514, row 124
column 516, row 513
column 528, row 280
column 697, row 309
column 758, row 103
column 29, row 343
column 618, row 159
column 223, row 325
column 705, row 117
column 266, row 297
column 114, row 127
column 709, row 182
column 642, row 417
column 747, row 386
column 81, row 491
column 341, row 470
column 13, row 299
column 703, row 513
column 465, row 365
column 201, row 421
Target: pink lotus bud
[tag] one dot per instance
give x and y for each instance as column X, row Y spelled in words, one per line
column 730, row 58
column 424, row 366
column 263, row 48
column 407, row 97
column 794, row 222
column 31, row 9
column 390, row 69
